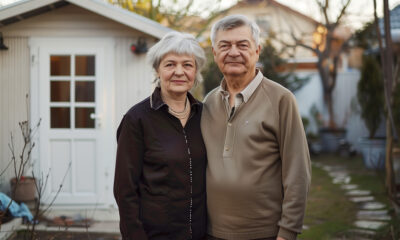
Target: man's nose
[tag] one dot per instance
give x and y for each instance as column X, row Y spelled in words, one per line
column 234, row 51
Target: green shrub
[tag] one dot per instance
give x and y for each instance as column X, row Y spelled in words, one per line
column 370, row 94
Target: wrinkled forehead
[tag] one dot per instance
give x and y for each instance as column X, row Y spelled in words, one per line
column 236, row 34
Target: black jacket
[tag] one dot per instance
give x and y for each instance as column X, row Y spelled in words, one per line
column 152, row 184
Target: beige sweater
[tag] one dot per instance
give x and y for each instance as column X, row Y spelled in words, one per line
column 258, row 172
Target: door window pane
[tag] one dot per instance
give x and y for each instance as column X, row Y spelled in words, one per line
column 60, row 65
column 84, row 91
column 60, row 91
column 82, row 117
column 84, row 65
column 60, row 117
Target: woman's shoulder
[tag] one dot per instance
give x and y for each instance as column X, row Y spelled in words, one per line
column 139, row 108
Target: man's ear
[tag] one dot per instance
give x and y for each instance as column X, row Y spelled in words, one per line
column 213, row 51
column 258, row 51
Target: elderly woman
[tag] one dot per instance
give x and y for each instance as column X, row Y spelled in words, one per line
column 161, row 158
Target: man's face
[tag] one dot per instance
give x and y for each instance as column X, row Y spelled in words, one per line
column 235, row 51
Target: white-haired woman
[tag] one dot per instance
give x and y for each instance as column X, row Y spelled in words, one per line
column 161, row 158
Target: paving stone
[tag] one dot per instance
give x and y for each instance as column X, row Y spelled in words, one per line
column 375, row 218
column 372, row 225
column 358, row 192
column 362, row 232
column 378, row 215
column 342, row 180
column 349, row 186
column 372, row 206
column 373, row 212
column 362, row 199
column 338, row 174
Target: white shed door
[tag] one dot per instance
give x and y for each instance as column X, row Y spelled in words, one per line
column 73, row 115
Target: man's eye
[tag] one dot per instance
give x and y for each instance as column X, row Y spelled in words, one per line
column 243, row 46
column 224, row 46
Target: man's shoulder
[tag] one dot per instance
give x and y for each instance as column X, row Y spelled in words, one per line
column 211, row 95
column 272, row 86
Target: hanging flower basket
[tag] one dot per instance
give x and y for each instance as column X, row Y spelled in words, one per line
column 25, row 191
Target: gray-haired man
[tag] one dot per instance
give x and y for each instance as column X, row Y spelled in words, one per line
column 258, row 172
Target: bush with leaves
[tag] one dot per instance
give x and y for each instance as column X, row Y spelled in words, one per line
column 370, row 94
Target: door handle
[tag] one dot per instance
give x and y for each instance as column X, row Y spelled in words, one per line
column 95, row 116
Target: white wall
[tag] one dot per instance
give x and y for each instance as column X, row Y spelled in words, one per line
column 345, row 103
column 14, row 85
column 132, row 75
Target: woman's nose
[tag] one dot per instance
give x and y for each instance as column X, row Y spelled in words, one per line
column 179, row 70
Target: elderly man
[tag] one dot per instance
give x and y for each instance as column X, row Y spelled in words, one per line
column 258, row 172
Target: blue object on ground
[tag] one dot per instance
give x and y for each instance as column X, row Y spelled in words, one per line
column 16, row 210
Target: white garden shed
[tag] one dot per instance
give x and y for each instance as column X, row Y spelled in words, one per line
column 74, row 59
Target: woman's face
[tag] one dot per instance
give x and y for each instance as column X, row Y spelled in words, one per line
column 177, row 73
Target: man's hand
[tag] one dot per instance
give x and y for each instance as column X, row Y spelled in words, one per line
column 279, row 238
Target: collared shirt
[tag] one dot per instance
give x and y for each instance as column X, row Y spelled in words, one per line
column 241, row 97
column 159, row 183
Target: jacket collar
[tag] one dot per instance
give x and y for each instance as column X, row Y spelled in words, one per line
column 156, row 101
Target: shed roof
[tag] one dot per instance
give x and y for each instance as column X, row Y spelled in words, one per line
column 24, row 9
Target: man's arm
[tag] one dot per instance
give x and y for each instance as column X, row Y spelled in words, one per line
column 296, row 168
column 127, row 173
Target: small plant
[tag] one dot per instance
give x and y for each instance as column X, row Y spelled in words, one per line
column 23, row 186
column 370, row 94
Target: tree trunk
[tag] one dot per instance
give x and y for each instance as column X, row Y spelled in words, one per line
column 329, row 103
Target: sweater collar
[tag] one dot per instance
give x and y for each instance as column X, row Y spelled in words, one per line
column 156, row 101
column 248, row 90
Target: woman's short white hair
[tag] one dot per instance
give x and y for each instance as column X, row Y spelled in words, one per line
column 235, row 21
column 179, row 43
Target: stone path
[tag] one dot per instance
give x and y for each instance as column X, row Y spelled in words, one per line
column 371, row 215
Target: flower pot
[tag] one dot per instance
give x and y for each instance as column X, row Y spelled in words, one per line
column 373, row 151
column 25, row 190
column 330, row 139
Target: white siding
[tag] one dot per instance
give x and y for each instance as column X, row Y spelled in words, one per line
column 14, row 80
column 345, row 103
column 133, row 77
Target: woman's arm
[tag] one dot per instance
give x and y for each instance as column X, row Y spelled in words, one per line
column 128, row 170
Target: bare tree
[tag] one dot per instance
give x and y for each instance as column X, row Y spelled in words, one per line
column 386, row 56
column 177, row 15
column 328, row 55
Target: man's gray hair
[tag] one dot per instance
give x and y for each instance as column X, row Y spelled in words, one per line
column 235, row 21
column 181, row 44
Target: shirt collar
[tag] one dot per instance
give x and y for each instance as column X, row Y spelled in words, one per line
column 247, row 91
column 156, row 101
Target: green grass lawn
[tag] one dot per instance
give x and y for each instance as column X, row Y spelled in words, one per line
column 329, row 212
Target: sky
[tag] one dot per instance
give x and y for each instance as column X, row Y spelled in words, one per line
column 361, row 11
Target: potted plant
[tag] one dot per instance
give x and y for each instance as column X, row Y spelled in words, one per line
column 371, row 99
column 23, row 187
